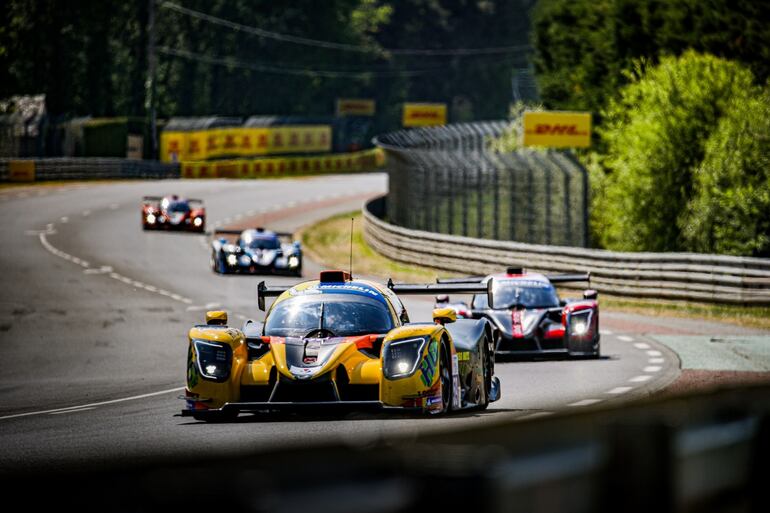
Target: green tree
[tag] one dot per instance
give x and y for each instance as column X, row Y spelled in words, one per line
column 730, row 208
column 656, row 134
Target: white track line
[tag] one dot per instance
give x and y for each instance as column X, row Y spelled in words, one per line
column 620, row 390
column 641, row 345
column 605, row 332
column 624, row 338
column 654, row 353
column 653, row 368
column 656, row 360
column 93, row 405
column 585, row 402
column 72, row 411
column 640, row 379
column 535, row 415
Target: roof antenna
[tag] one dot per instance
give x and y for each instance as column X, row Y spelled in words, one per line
column 351, row 248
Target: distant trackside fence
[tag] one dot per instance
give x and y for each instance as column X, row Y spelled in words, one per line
column 448, row 180
column 680, row 276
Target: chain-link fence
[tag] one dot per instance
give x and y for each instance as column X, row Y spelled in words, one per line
column 448, row 180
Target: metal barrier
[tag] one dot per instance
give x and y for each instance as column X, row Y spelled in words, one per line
column 93, row 168
column 683, row 276
column 690, row 454
column 446, row 180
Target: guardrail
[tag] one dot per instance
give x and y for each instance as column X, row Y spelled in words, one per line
column 681, row 276
column 686, row 454
column 85, row 169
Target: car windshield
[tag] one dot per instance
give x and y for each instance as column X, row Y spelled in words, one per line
column 179, row 207
column 343, row 315
column 264, row 244
column 527, row 293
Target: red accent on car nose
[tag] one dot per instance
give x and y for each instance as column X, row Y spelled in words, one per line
column 517, row 328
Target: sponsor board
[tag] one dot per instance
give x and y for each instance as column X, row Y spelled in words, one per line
column 21, row 171
column 557, row 129
column 424, row 114
column 355, row 107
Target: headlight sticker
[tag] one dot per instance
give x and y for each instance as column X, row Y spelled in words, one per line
column 428, row 364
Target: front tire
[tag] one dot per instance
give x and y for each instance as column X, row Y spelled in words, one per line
column 445, row 376
column 486, row 370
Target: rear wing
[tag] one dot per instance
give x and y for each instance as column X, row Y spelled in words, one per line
column 227, row 232
column 467, row 279
column 195, row 200
column 264, row 291
column 151, row 199
column 258, row 228
column 568, row 278
column 553, row 278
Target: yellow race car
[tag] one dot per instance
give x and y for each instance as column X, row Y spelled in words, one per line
column 336, row 342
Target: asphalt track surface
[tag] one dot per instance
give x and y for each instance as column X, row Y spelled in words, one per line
column 94, row 314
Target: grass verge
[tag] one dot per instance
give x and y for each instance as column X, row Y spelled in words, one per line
column 328, row 242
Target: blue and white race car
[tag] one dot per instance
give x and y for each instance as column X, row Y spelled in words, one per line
column 255, row 251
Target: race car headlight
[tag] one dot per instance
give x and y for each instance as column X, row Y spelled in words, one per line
column 197, row 221
column 151, row 218
column 232, row 259
column 580, row 323
column 214, row 360
column 230, row 248
column 161, row 219
column 400, row 358
column 293, row 261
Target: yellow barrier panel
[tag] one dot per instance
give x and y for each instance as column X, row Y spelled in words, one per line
column 21, row 171
column 231, row 142
column 284, row 166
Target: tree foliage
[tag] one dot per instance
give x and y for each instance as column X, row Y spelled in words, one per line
column 583, row 46
column 729, row 211
column 90, row 57
column 664, row 174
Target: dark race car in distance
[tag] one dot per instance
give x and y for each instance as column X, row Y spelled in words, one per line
column 531, row 318
column 255, row 251
column 173, row 213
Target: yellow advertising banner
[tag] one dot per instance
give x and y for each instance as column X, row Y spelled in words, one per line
column 424, row 114
column 284, row 166
column 557, row 129
column 355, row 107
column 21, row 171
column 232, row 142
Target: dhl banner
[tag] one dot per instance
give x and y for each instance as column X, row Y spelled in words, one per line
column 21, row 171
column 557, row 129
column 285, row 166
column 424, row 114
column 355, row 107
column 244, row 142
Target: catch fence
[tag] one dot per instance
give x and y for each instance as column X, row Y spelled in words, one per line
column 449, row 180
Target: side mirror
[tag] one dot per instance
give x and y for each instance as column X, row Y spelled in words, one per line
column 563, row 302
column 590, row 294
column 444, row 315
column 216, row 318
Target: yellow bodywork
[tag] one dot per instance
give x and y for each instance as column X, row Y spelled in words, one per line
column 420, row 390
